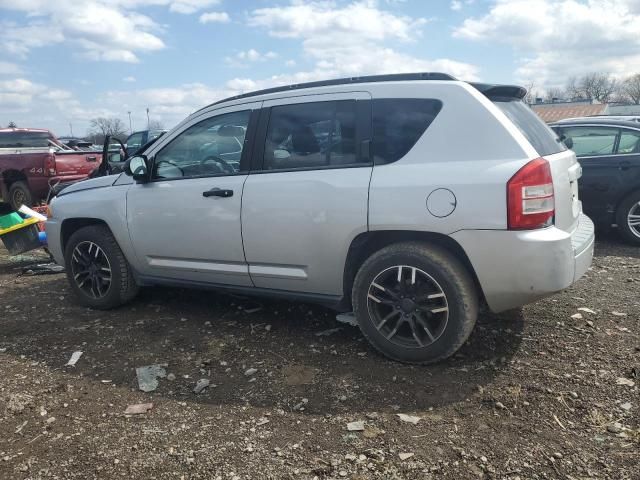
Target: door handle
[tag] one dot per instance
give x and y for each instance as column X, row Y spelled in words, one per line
column 91, row 159
column 218, row 192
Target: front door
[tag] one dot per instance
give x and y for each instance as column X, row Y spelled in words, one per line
column 185, row 223
column 595, row 147
column 307, row 197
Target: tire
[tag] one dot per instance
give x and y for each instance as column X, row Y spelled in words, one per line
column 121, row 287
column 19, row 194
column 441, row 283
column 629, row 206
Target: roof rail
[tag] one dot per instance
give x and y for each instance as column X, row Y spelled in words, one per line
column 343, row 81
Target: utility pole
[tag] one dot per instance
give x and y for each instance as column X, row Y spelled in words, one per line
column 130, row 129
column 147, row 118
column 71, row 128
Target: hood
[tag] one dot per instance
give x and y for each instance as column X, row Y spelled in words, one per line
column 90, row 184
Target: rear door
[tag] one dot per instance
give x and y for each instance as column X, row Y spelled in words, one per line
column 628, row 156
column 595, row 146
column 306, row 198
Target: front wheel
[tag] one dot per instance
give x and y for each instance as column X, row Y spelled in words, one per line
column 97, row 270
column 415, row 302
column 628, row 218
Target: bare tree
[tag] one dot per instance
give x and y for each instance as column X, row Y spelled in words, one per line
column 12, row 125
column 532, row 94
column 553, row 93
column 598, row 86
column 630, row 88
column 156, row 125
column 100, row 127
column 572, row 90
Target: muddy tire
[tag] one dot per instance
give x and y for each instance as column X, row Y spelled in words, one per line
column 19, row 194
column 415, row 302
column 97, row 270
column 628, row 218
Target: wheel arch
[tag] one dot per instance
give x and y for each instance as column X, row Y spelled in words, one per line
column 367, row 243
column 72, row 225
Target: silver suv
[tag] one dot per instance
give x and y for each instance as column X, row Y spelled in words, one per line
column 411, row 199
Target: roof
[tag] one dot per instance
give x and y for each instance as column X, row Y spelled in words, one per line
column 490, row 90
column 555, row 112
column 598, row 121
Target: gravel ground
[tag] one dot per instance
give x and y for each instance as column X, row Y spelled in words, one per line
column 536, row 393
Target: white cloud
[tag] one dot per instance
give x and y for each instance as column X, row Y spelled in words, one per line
column 557, row 39
column 242, row 58
column 129, row 79
column 215, row 17
column 191, row 6
column 8, row 68
column 456, row 5
column 102, row 29
column 348, row 40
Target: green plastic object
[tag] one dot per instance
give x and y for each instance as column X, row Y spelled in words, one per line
column 10, row 220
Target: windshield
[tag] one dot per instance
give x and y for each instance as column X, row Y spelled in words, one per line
column 540, row 136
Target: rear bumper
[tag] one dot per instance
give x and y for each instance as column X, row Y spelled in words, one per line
column 516, row 268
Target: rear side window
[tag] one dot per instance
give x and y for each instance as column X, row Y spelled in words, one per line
column 24, row 139
column 398, row 123
column 540, row 136
column 592, row 141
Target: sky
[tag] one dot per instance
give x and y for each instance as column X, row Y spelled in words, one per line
column 65, row 62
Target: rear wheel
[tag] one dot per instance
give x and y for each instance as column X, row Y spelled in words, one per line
column 19, row 194
column 97, row 270
column 628, row 218
column 415, row 303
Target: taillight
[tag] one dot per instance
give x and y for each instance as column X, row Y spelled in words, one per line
column 50, row 165
column 530, row 202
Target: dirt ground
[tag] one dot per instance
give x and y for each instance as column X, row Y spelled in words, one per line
column 534, row 394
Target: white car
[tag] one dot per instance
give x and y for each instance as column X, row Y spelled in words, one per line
column 410, row 199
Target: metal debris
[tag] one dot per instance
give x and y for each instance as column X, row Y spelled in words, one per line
column 138, row 408
column 326, row 333
column 75, row 356
column 347, row 318
column 356, row 426
column 201, row 385
column 148, row 376
column 408, row 418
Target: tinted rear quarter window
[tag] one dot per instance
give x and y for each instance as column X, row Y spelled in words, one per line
column 540, row 136
column 398, row 123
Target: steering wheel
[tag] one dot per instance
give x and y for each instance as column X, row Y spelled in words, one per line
column 169, row 162
column 226, row 167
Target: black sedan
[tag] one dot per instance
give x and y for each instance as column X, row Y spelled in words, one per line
column 609, row 152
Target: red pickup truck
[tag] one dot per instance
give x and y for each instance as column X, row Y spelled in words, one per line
column 32, row 160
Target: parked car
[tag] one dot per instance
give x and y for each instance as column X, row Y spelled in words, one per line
column 367, row 194
column 609, row 152
column 138, row 139
column 31, row 160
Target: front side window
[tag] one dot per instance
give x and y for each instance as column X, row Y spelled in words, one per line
column 311, row 135
column 398, row 123
column 629, row 142
column 211, row 147
column 592, row 141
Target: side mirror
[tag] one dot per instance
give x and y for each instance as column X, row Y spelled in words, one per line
column 137, row 167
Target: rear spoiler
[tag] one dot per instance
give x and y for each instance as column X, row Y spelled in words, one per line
column 495, row 92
